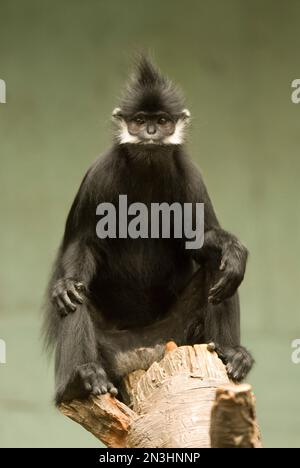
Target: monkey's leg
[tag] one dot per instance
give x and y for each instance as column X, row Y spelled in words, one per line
column 186, row 318
column 78, row 369
column 186, row 311
column 222, row 328
column 126, row 350
column 194, row 320
column 204, row 322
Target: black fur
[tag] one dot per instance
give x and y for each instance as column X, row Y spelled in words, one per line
column 112, row 304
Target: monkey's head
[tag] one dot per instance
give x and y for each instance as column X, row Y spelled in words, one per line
column 152, row 110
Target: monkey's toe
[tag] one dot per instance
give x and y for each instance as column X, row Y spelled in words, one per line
column 236, row 372
column 112, row 389
column 237, row 359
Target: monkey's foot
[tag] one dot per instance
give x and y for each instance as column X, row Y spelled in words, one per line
column 94, row 380
column 237, row 359
column 88, row 379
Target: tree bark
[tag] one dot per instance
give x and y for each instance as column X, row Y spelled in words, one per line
column 184, row 401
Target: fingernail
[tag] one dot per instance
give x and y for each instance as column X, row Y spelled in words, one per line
column 211, row 346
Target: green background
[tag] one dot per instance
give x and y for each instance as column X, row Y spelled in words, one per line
column 63, row 63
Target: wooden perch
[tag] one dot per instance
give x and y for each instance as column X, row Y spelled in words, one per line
column 233, row 421
column 185, row 401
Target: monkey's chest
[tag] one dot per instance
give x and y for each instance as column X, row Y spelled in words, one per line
column 141, row 282
column 148, row 262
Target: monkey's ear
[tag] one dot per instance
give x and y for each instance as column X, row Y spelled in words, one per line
column 185, row 114
column 117, row 113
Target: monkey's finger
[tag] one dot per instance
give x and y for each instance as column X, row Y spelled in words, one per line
column 222, row 264
column 96, row 390
column 87, row 386
column 101, row 372
column 217, row 296
column 227, row 291
column 211, row 347
column 95, row 383
column 61, row 307
column 67, row 301
column 72, row 291
column 235, row 372
column 214, row 290
column 80, row 286
column 225, row 288
column 112, row 389
column 215, row 293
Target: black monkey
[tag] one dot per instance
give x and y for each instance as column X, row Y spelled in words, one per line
column 113, row 303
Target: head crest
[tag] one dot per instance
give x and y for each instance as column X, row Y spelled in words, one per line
column 146, row 74
column 149, row 91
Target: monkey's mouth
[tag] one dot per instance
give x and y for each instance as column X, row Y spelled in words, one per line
column 150, row 141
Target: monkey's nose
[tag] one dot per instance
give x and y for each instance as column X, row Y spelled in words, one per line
column 151, row 129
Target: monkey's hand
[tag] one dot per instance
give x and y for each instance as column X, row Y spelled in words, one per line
column 232, row 271
column 66, row 295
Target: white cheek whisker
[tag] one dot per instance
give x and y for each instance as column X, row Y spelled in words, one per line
column 177, row 138
column 124, row 136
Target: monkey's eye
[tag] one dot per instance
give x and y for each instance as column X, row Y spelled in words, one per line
column 139, row 120
column 163, row 120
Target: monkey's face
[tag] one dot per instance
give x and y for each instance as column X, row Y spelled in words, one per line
column 156, row 128
column 151, row 128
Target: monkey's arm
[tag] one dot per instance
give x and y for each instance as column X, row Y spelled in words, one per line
column 75, row 264
column 221, row 251
column 232, row 265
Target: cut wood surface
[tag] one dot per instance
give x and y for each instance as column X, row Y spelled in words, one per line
column 184, row 401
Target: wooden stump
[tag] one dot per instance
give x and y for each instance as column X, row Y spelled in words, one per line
column 233, row 420
column 184, row 401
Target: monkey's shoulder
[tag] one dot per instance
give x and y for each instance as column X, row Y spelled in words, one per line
column 101, row 175
column 192, row 178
